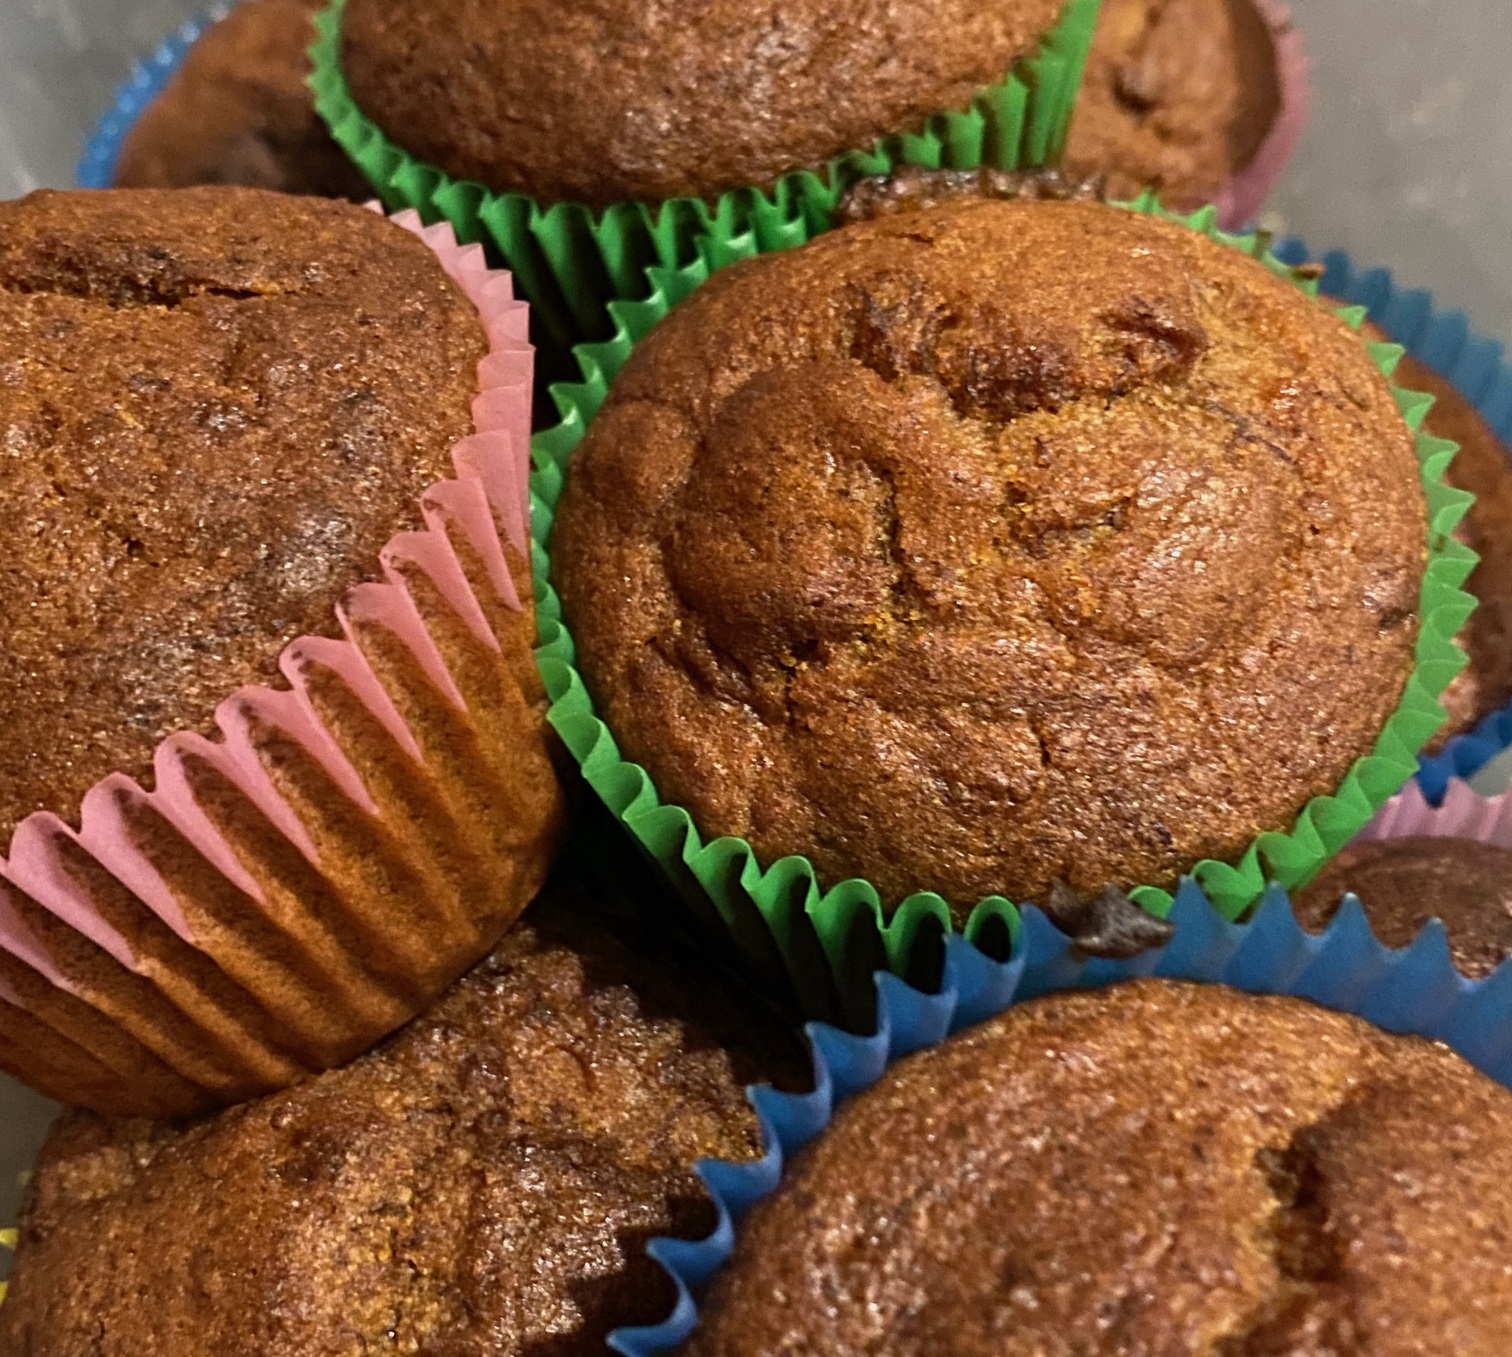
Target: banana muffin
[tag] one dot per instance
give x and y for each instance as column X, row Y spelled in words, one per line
column 486, row 1181
column 1155, row 1168
column 238, row 111
column 601, row 103
column 1002, row 543
column 1178, row 96
column 220, row 406
column 1403, row 883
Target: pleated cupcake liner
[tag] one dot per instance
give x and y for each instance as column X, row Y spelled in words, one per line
column 572, row 261
column 148, row 79
column 1415, row 991
column 1240, row 199
column 340, row 850
column 817, row 947
column 1461, row 813
column 1477, row 367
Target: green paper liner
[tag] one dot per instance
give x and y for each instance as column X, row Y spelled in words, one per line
column 823, row 945
column 571, row 262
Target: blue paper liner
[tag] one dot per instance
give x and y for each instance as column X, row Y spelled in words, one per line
column 102, row 152
column 1416, row 990
column 1477, row 368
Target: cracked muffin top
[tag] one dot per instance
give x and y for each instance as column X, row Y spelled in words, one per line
column 599, row 102
column 217, row 405
column 486, row 1181
column 238, row 111
column 1155, row 1168
column 1403, row 883
column 1179, row 95
column 1005, row 542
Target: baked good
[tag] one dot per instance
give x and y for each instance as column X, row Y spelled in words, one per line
column 877, row 551
column 600, row 103
column 1403, row 883
column 219, row 405
column 238, row 111
column 1482, row 466
column 1179, row 96
column 1154, row 1168
column 485, row 1181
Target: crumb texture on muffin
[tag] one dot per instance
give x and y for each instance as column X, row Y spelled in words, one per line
column 1156, row 1168
column 486, row 1181
column 1179, row 95
column 601, row 102
column 238, row 111
column 218, row 405
column 1403, row 883
column 1003, row 543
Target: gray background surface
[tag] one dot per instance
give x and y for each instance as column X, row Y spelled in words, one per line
column 1408, row 163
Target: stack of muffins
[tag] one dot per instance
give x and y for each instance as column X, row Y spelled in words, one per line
column 416, row 843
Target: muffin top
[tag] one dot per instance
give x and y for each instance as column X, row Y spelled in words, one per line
column 1482, row 466
column 1157, row 1168
column 238, row 111
column 486, row 1181
column 602, row 102
column 1179, row 95
column 996, row 544
column 1403, row 883
column 218, row 404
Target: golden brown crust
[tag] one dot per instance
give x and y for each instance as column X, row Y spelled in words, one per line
column 485, row 1181
column 1179, row 95
column 1156, row 1168
column 599, row 102
column 1403, row 883
column 219, row 404
column 974, row 548
column 238, row 111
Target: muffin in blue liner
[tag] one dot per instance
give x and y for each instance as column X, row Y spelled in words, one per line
column 1416, row 991
column 149, row 77
column 1476, row 366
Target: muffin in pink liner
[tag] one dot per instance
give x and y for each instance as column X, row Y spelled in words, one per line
column 284, row 877
column 1417, row 862
column 1202, row 100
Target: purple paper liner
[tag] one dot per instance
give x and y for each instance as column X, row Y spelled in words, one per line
column 1416, row 990
column 149, row 77
column 1477, row 368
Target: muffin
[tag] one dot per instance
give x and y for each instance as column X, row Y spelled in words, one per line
column 877, row 552
column 1482, row 466
column 221, row 409
column 487, row 1180
column 1168, row 1168
column 1179, row 96
column 598, row 105
column 1403, row 883
column 238, row 111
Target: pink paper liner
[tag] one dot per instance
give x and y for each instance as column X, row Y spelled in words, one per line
column 1464, row 814
column 488, row 503
column 1242, row 197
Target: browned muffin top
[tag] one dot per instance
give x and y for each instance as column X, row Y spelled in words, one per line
column 217, row 405
column 1179, row 95
column 1483, row 466
column 486, row 1181
column 599, row 102
column 994, row 544
column 1402, row 883
column 1156, row 1168
column 238, row 111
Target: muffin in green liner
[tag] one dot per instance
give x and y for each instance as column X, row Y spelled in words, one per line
column 818, row 944
column 572, row 260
